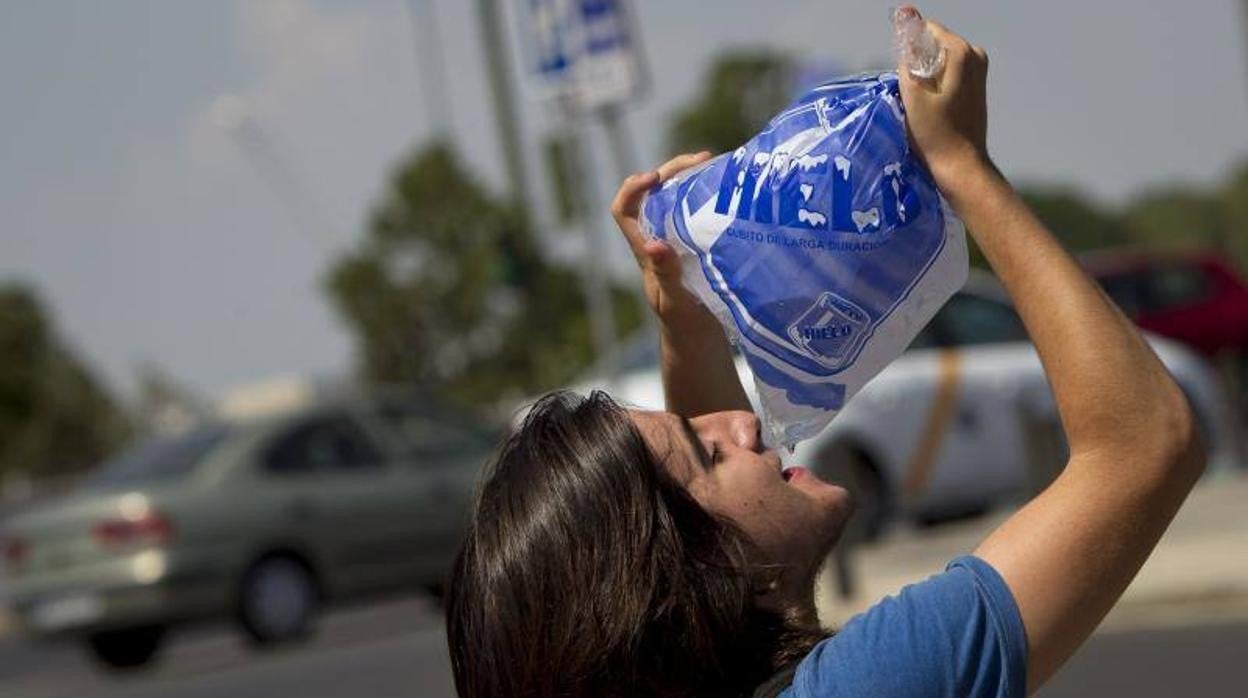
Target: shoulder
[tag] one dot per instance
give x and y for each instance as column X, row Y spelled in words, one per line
column 957, row 633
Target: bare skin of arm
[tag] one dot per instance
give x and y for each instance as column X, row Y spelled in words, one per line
column 1068, row 555
column 697, row 366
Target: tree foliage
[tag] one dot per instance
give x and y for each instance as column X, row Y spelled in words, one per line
column 742, row 92
column 1080, row 223
column 451, row 291
column 1233, row 200
column 55, row 418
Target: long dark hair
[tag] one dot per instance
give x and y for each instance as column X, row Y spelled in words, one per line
column 588, row 570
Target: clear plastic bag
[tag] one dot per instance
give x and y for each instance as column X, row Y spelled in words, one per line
column 915, row 46
column 821, row 245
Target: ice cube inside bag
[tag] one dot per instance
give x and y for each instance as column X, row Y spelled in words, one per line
column 822, row 245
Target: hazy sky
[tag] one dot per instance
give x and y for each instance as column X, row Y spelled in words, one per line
column 153, row 239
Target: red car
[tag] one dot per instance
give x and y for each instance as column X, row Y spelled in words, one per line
column 1198, row 299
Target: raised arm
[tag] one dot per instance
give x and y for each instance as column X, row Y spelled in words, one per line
column 698, row 372
column 1067, row 555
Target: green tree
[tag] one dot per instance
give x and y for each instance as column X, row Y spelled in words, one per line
column 743, row 90
column 1177, row 217
column 1079, row 223
column 54, row 417
column 1234, row 200
column 450, row 291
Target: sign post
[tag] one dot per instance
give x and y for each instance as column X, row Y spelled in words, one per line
column 586, row 60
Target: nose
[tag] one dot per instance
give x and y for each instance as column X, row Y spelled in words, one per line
column 745, row 430
column 734, row 428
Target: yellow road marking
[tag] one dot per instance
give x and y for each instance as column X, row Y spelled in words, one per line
column 939, row 417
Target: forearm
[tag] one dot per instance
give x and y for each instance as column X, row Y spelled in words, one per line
column 1110, row 388
column 699, row 375
column 1071, row 551
column 1069, row 554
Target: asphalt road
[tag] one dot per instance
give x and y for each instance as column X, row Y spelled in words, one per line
column 1204, row 660
column 397, row 649
column 391, row 649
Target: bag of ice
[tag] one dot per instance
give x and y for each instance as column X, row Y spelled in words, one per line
column 822, row 245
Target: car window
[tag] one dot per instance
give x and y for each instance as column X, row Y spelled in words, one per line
column 1175, row 287
column 323, row 444
column 926, row 338
column 160, row 458
column 968, row 319
column 1129, row 290
column 639, row 355
column 419, row 430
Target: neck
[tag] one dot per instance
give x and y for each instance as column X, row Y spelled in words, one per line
column 793, row 596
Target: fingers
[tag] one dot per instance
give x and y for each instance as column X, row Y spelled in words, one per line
column 628, row 198
column 980, row 57
column 663, row 261
column 626, row 206
column 947, row 38
column 681, row 162
column 958, row 50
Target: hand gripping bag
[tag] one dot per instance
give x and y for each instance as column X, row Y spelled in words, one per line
column 821, row 245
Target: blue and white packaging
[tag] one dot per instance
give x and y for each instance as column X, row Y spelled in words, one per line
column 822, row 245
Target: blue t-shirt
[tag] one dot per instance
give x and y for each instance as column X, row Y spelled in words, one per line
column 956, row 634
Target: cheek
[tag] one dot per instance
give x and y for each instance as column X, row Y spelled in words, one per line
column 783, row 521
column 793, row 524
column 773, row 519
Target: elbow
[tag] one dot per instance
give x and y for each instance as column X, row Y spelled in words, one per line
column 1177, row 439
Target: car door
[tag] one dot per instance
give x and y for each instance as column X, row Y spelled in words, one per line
column 975, row 449
column 329, row 475
column 439, row 453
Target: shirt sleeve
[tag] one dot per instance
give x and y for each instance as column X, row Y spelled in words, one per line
column 958, row 633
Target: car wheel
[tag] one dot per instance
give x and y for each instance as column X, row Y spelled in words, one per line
column 125, row 649
column 850, row 468
column 278, row 599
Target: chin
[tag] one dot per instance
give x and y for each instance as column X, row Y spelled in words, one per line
column 833, row 504
column 830, row 495
column 839, row 506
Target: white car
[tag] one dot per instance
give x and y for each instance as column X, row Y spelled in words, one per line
column 962, row 421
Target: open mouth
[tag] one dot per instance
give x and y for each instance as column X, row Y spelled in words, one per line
column 789, row 474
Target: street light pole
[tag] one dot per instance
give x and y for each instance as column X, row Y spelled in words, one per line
column 594, row 276
column 427, row 46
column 1243, row 7
column 505, row 114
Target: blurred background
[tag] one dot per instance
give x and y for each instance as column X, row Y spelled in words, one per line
column 274, row 276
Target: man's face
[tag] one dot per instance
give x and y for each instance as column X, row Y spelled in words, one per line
column 792, row 516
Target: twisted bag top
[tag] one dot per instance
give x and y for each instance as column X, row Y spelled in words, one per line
column 822, row 245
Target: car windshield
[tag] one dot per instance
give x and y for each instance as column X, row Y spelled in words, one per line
column 422, row 429
column 159, row 458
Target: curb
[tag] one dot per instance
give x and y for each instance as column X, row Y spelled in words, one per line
column 1196, row 569
column 1139, row 606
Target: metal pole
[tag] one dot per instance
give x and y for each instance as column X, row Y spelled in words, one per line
column 622, row 150
column 593, row 268
column 1243, row 6
column 505, row 113
column 624, row 153
column 427, row 46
